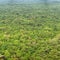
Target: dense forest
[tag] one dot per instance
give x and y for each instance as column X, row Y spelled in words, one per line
column 30, row 31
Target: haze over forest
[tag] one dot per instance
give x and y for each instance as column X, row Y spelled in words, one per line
column 27, row 1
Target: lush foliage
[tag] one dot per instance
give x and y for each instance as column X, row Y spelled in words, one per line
column 30, row 32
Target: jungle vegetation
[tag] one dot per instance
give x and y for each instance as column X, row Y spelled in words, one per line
column 30, row 31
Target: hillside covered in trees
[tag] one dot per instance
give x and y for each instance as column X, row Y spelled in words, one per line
column 30, row 31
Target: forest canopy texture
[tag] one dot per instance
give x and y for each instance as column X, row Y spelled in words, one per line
column 29, row 31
